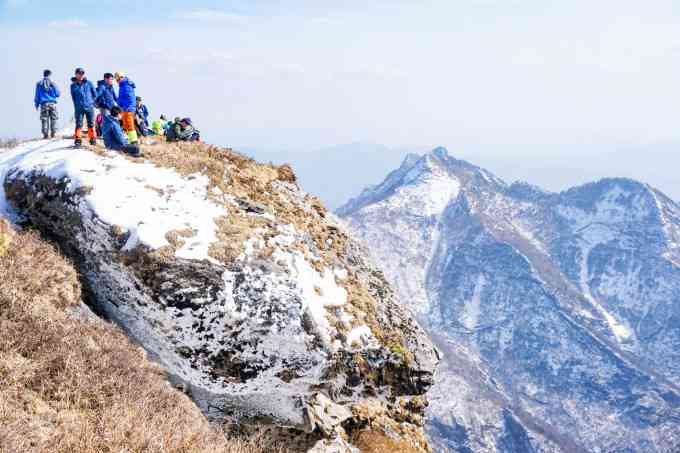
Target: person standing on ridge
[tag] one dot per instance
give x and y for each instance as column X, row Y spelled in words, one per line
column 106, row 95
column 46, row 94
column 128, row 104
column 83, row 95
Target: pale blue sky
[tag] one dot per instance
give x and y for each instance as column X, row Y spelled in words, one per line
column 469, row 74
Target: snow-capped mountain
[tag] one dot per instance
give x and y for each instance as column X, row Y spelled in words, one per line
column 558, row 314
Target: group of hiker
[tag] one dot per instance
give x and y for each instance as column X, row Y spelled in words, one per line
column 122, row 116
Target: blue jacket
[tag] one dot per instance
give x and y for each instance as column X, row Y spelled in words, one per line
column 143, row 112
column 45, row 91
column 127, row 100
column 113, row 135
column 83, row 94
column 106, row 95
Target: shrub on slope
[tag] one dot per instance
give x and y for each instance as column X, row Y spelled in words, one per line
column 71, row 384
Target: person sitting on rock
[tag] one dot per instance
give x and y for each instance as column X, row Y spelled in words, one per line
column 113, row 135
column 183, row 130
column 157, row 127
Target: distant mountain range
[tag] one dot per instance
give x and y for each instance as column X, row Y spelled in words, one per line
column 558, row 313
column 337, row 173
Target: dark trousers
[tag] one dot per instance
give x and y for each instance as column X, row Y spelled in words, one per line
column 89, row 115
column 132, row 150
column 48, row 118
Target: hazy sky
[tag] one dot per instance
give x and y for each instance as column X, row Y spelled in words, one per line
column 491, row 75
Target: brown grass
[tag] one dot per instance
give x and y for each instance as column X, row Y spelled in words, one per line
column 75, row 385
column 371, row 441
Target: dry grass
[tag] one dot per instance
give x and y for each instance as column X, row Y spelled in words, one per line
column 74, row 385
column 370, row 441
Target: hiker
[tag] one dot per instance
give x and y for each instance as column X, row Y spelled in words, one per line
column 106, row 96
column 113, row 135
column 83, row 95
column 183, row 130
column 46, row 94
column 127, row 103
column 165, row 124
column 141, row 110
column 98, row 122
column 157, row 127
column 141, row 117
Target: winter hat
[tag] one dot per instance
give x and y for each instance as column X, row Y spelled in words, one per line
column 47, row 73
column 80, row 71
column 186, row 120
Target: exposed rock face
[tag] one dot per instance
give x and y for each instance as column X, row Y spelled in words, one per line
column 558, row 314
column 244, row 288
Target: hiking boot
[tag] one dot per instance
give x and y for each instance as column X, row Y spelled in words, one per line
column 93, row 141
column 78, row 142
column 53, row 134
column 45, row 135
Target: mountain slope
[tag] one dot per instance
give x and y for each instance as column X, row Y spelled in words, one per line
column 565, row 306
column 245, row 289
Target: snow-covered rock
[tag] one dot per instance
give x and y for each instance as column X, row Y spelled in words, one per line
column 558, row 314
column 244, row 288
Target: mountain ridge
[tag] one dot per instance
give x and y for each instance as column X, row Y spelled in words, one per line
column 533, row 285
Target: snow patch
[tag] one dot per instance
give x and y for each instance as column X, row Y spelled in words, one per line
column 318, row 291
column 470, row 316
column 150, row 202
column 620, row 331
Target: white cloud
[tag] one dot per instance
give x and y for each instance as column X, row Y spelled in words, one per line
column 67, row 23
column 375, row 71
column 210, row 16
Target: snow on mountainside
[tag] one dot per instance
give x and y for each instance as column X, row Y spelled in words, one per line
column 244, row 288
column 559, row 313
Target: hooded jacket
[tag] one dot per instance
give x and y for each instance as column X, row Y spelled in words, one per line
column 127, row 100
column 112, row 133
column 83, row 94
column 106, row 95
column 45, row 91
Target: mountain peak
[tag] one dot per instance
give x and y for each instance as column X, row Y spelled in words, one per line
column 440, row 152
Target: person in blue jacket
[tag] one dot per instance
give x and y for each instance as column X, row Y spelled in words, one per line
column 128, row 104
column 106, row 96
column 113, row 135
column 45, row 99
column 83, row 95
column 142, row 116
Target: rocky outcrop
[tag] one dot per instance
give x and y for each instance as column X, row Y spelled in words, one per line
column 254, row 300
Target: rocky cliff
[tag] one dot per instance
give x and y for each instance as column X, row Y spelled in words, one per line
column 245, row 289
column 558, row 313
